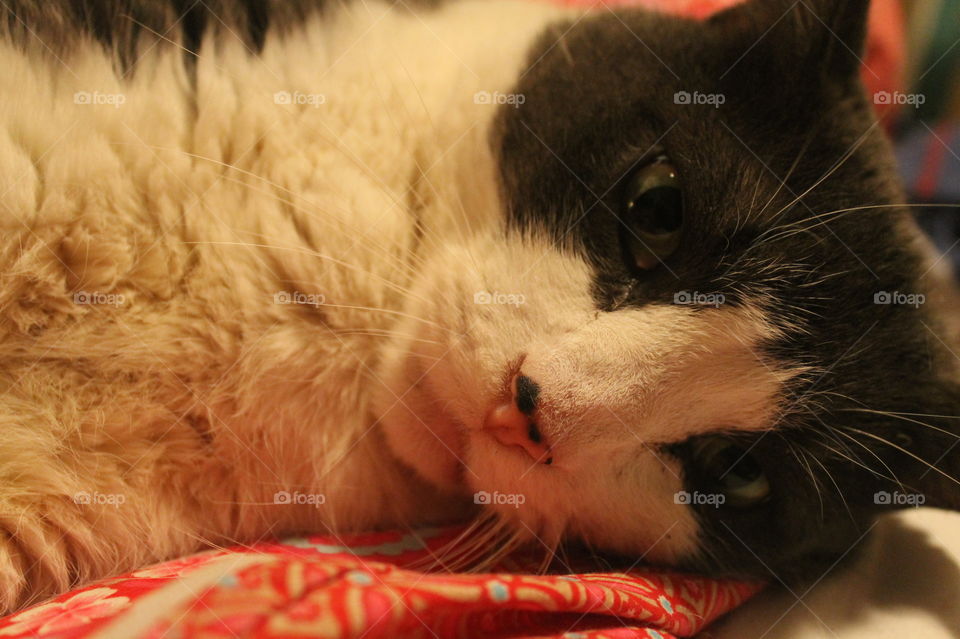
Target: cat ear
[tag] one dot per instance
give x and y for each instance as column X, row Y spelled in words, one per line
column 827, row 36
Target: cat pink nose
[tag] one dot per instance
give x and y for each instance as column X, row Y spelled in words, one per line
column 512, row 422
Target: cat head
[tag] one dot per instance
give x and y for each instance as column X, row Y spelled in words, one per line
column 704, row 332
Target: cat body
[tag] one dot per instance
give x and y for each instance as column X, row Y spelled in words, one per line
column 187, row 276
column 263, row 277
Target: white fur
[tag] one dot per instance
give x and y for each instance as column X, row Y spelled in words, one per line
column 197, row 210
column 198, row 397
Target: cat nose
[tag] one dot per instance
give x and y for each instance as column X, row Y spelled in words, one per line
column 512, row 422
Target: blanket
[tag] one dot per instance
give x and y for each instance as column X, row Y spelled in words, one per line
column 372, row 586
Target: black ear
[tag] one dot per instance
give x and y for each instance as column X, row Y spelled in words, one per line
column 824, row 36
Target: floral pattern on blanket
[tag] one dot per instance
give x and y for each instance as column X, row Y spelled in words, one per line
column 375, row 585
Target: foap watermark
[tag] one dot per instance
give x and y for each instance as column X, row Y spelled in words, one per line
column 296, row 498
column 697, row 498
column 495, row 97
column 510, row 299
column 896, row 298
column 496, row 498
column 96, row 298
column 709, row 99
column 97, row 98
column 296, row 297
column 696, row 298
column 899, row 98
column 83, row 498
column 896, row 498
column 314, row 100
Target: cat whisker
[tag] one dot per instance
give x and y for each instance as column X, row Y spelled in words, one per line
column 474, row 555
column 839, row 163
column 373, row 332
column 783, row 182
column 550, row 546
column 852, row 457
column 331, row 223
column 454, row 554
column 513, row 541
column 903, row 417
column 345, row 264
column 360, row 165
column 836, row 486
column 910, row 454
column 801, row 459
column 891, row 412
column 392, row 312
column 438, row 558
column 785, row 231
column 289, row 202
column 310, row 253
column 890, row 477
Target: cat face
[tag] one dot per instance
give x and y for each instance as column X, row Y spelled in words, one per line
column 679, row 344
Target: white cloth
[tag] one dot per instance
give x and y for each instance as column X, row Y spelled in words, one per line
column 906, row 585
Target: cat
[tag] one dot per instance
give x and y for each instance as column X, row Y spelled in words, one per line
column 606, row 277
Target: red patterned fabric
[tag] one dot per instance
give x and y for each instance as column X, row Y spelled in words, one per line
column 369, row 586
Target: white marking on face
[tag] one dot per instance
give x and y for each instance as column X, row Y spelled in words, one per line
column 613, row 387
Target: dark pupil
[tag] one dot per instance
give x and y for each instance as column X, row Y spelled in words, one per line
column 730, row 468
column 657, row 211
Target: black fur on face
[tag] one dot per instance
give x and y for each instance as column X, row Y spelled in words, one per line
column 768, row 176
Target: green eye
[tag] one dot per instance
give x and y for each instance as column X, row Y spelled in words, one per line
column 652, row 213
column 732, row 471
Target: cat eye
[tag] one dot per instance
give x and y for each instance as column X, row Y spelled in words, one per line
column 730, row 470
column 652, row 213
